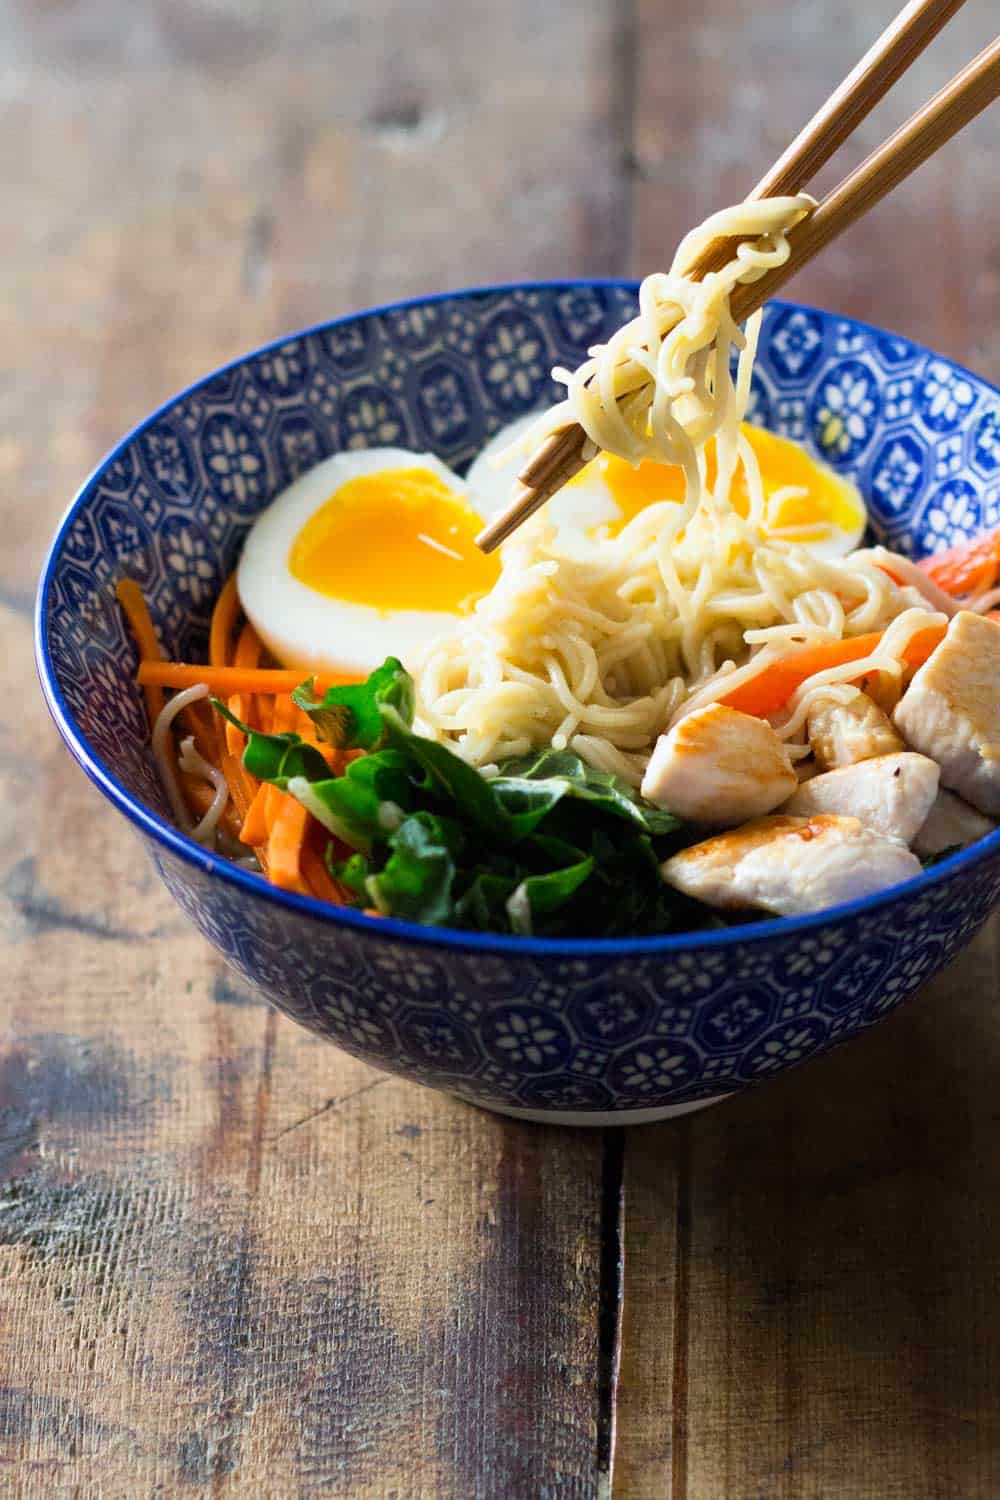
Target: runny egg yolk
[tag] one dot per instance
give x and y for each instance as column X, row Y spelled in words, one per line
column 828, row 501
column 395, row 539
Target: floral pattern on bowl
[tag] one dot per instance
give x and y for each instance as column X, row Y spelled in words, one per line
column 590, row 1028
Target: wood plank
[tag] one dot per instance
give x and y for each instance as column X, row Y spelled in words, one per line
column 233, row 1260
column 810, row 1269
column 836, row 1235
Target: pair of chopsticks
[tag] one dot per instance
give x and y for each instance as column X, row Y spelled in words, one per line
column 561, row 455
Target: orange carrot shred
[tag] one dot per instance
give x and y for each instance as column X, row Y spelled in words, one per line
column 970, row 568
column 140, row 622
column 141, row 625
column 271, row 804
column 285, row 714
column 220, row 637
column 771, row 689
column 198, row 720
column 196, row 716
column 248, row 650
column 318, row 878
column 238, row 789
column 255, row 830
column 223, row 681
column 284, row 847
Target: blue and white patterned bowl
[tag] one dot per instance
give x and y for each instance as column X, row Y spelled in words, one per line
column 571, row 1030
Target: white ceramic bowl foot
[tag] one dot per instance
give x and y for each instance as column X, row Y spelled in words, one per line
column 595, row 1117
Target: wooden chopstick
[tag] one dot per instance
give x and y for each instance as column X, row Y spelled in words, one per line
column 951, row 108
column 885, row 62
column 903, row 40
column 562, row 453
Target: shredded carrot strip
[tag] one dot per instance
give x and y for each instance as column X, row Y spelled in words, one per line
column 248, row 651
column 231, row 742
column 239, row 791
column 271, row 805
column 197, row 717
column 968, row 569
column 220, row 636
column 304, row 726
column 141, row 625
column 220, row 653
column 140, row 622
column 254, row 830
column 772, row 688
column 198, row 720
column 223, row 681
column 264, row 809
column 318, row 878
column 284, row 847
column 286, row 714
column 286, row 820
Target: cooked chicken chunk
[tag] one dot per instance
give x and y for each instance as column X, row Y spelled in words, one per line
column 842, row 734
column 790, row 865
column 950, row 824
column 719, row 767
column 951, row 710
column 891, row 794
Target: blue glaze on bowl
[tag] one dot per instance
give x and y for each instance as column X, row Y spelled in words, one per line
column 570, row 1026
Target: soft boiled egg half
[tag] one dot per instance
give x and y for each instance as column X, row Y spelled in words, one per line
column 807, row 502
column 370, row 554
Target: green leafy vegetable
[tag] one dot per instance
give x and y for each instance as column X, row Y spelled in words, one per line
column 553, row 774
column 352, row 715
column 276, row 757
column 416, row 880
column 548, row 846
column 538, row 895
column 371, row 798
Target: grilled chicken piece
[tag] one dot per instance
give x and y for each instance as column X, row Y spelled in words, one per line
column 841, row 734
column 950, row 824
column 951, row 710
column 790, row 865
column 719, row 767
column 892, row 794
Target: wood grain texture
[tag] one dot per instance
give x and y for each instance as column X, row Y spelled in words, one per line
column 811, row 1269
column 837, row 1257
column 232, row 1260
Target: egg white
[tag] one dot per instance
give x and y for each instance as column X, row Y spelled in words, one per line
column 305, row 628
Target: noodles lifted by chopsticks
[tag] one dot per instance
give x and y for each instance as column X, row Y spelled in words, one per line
column 595, row 642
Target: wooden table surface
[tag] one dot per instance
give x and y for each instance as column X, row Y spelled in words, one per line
column 233, row 1261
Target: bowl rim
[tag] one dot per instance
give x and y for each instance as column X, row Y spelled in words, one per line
column 208, row 862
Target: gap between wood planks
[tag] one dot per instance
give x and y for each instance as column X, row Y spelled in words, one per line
column 612, row 1264
column 611, row 1306
column 611, row 1302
